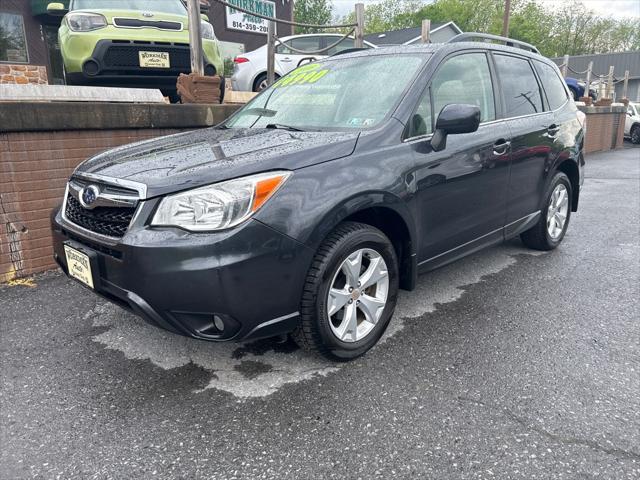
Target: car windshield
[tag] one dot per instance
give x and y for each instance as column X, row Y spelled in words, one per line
column 347, row 93
column 162, row 6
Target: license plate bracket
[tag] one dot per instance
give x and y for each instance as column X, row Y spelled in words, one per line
column 82, row 264
column 154, row 59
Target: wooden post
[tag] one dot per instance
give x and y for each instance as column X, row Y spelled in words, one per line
column 565, row 66
column 271, row 52
column 626, row 84
column 359, row 33
column 426, row 31
column 195, row 37
column 610, row 82
column 505, row 19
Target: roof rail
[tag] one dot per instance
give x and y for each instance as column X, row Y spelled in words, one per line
column 510, row 42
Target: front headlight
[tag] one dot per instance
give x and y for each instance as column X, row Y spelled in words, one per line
column 85, row 22
column 206, row 30
column 219, row 206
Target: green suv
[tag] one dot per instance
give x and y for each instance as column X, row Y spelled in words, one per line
column 132, row 43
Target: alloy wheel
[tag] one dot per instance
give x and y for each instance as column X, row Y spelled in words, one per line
column 557, row 211
column 357, row 295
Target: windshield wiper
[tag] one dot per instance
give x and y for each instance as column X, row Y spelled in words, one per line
column 283, row 127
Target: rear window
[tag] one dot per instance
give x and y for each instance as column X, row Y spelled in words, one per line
column 552, row 84
column 520, row 88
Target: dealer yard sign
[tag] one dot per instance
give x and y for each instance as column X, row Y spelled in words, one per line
column 237, row 20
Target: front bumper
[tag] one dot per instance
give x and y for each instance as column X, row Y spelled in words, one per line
column 116, row 63
column 250, row 277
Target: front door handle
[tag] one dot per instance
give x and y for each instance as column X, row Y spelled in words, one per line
column 501, row 147
column 285, row 59
column 553, row 130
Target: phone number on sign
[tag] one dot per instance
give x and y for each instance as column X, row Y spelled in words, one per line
column 250, row 26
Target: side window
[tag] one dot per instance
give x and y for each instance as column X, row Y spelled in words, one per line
column 284, row 49
column 13, row 43
column 306, row 44
column 421, row 122
column 343, row 45
column 552, row 84
column 464, row 79
column 519, row 86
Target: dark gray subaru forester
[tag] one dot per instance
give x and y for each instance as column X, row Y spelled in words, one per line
column 309, row 208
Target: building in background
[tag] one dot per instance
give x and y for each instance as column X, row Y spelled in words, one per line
column 440, row 33
column 30, row 53
column 601, row 62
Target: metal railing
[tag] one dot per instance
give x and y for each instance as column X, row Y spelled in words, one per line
column 605, row 82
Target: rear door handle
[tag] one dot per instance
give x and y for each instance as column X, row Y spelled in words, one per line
column 553, row 129
column 501, row 147
column 285, row 59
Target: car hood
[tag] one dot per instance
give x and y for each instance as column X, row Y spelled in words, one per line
column 192, row 159
column 146, row 15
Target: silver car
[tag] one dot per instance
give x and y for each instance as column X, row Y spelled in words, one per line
column 250, row 69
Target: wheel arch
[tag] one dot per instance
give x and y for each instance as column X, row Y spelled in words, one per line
column 386, row 213
column 570, row 168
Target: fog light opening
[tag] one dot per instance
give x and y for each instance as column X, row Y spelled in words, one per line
column 91, row 68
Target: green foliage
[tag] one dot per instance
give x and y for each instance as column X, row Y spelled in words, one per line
column 316, row 12
column 565, row 28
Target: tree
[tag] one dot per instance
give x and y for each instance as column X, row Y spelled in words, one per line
column 316, row 12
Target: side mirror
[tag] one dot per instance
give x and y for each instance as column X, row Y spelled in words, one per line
column 57, row 9
column 453, row 119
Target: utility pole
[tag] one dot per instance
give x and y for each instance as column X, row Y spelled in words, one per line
column 505, row 20
column 195, row 37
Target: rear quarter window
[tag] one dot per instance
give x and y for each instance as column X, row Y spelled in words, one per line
column 553, row 85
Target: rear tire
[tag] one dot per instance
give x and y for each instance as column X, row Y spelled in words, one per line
column 261, row 80
column 324, row 326
column 547, row 234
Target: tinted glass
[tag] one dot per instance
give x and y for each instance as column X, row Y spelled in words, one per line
column 519, row 86
column 464, row 79
column 13, row 44
column 343, row 45
column 307, row 44
column 162, row 6
column 552, row 84
column 329, row 94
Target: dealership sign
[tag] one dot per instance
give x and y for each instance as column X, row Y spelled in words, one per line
column 237, row 20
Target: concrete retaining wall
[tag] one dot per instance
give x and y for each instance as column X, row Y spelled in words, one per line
column 36, row 161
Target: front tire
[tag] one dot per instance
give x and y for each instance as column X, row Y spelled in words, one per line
column 350, row 293
column 548, row 233
column 635, row 134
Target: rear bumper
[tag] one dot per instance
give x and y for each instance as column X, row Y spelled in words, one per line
column 251, row 278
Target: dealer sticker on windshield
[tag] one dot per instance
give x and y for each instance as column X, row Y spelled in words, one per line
column 154, row 59
column 306, row 74
column 79, row 265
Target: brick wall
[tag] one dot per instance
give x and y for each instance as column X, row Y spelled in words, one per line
column 604, row 132
column 34, row 167
column 23, row 74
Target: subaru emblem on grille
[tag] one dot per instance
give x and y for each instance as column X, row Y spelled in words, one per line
column 147, row 14
column 88, row 196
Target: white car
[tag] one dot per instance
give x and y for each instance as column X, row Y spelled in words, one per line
column 632, row 122
column 250, row 69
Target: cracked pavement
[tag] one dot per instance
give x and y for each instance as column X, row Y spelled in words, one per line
column 507, row 364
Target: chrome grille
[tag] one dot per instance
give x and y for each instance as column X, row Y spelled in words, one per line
column 111, row 213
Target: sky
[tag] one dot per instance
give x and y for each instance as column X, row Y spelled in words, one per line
column 614, row 8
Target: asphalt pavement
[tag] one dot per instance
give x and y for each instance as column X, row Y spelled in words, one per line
column 508, row 364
